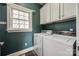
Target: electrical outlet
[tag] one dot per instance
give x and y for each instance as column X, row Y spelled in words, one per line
column 1, row 43
column 71, row 29
column 25, row 44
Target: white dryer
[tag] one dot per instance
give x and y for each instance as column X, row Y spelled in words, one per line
column 38, row 42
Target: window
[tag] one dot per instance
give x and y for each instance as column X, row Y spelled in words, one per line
column 19, row 19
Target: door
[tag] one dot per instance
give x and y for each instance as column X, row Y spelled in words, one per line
column 45, row 14
column 55, row 11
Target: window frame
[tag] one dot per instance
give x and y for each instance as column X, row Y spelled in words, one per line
column 9, row 16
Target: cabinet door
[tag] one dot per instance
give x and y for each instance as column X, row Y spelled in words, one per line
column 69, row 10
column 45, row 14
column 42, row 15
column 55, row 8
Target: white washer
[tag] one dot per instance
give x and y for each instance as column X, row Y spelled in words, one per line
column 58, row 45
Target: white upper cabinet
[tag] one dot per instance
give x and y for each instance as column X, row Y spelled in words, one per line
column 68, row 10
column 55, row 11
column 45, row 14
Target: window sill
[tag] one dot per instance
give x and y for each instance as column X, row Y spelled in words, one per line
column 20, row 30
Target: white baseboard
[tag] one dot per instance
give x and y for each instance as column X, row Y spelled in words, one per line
column 22, row 51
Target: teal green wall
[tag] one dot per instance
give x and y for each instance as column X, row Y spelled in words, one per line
column 15, row 41
column 59, row 26
column 3, row 12
column 2, row 27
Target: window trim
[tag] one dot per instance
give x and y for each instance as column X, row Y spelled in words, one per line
column 14, row 6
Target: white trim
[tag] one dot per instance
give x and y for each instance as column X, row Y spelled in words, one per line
column 1, row 22
column 19, row 30
column 18, row 53
column 77, row 29
column 19, row 7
